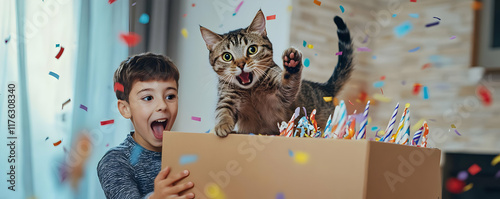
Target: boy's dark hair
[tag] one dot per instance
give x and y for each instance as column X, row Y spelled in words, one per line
column 143, row 67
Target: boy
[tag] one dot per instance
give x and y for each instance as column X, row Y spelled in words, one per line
column 149, row 100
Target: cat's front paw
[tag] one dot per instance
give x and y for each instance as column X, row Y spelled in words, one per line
column 223, row 129
column 292, row 60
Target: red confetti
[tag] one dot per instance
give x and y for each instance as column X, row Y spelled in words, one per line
column 118, row 87
column 474, row 169
column 57, row 143
column 454, row 185
column 111, row 1
column 131, row 39
column 271, row 17
column 362, row 96
column 484, row 94
column 60, row 52
column 416, row 88
column 317, row 2
column 107, row 144
column 415, row 1
column 184, row 15
column 381, row 91
column 351, row 102
column 382, row 78
column 107, row 122
column 193, row 5
column 426, row 66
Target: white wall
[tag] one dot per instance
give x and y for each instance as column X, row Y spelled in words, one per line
column 198, row 81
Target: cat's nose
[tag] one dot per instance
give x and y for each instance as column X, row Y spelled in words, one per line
column 240, row 64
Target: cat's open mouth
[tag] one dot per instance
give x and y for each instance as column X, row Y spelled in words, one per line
column 245, row 78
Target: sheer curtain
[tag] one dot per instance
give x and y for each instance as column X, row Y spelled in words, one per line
column 53, row 93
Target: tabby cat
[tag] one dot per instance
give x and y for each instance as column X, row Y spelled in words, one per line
column 255, row 93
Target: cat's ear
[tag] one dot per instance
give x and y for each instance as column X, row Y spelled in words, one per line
column 258, row 24
column 210, row 37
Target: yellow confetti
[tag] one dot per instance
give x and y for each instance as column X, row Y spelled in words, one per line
column 417, row 125
column 407, row 105
column 335, row 101
column 381, row 97
column 358, row 100
column 369, row 120
column 495, row 160
column 328, row 99
column 290, row 8
column 184, row 33
column 301, row 157
column 380, row 133
column 453, row 126
column 468, row 187
column 310, row 46
column 213, row 191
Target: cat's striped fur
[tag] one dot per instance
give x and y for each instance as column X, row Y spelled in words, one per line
column 255, row 93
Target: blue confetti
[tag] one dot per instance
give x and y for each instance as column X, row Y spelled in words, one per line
column 342, row 8
column 207, row 131
column 57, row 45
column 46, row 138
column 188, row 159
column 54, row 74
column 144, row 18
column 134, row 156
column 307, row 62
column 251, row 134
column 403, row 29
column 414, row 15
column 414, row 50
column 432, row 24
column 280, row 195
column 378, row 84
column 426, row 92
column 374, row 57
column 290, row 153
column 394, row 15
column 304, row 43
column 375, row 128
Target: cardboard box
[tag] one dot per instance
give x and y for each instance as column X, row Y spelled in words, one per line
column 259, row 167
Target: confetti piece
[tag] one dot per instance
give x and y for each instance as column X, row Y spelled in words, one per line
column 414, row 15
column 7, row 39
column 335, row 101
column 342, row 8
column 454, row 185
column 382, row 91
column 184, row 33
column 365, row 40
column 131, row 38
column 382, row 77
column 468, row 187
column 484, row 95
column 374, row 57
column 238, row 7
column 495, row 160
column 432, row 24
column 307, row 62
column 416, row 88
column 414, row 1
column 196, row 118
column 107, row 144
column 134, row 155
column 328, row 99
column 46, row 138
column 317, row 2
column 83, row 107
column 407, row 105
column 462, row 175
column 184, row 15
column 378, row 84
column 60, row 52
column 381, row 98
column 437, row 18
column 498, row 174
column 280, row 196
column 144, row 18
column 57, row 143
column 338, row 53
column 364, row 49
column 271, row 17
column 375, row 128
column 290, row 8
column 426, row 66
column 118, row 87
column 403, row 82
column 188, row 159
column 64, row 104
column 304, row 43
column 453, row 37
column 290, row 153
column 301, row 157
column 111, row 1
column 133, row 4
column 54, row 74
column 106, row 122
column 414, row 50
column 351, row 102
column 213, row 191
column 426, row 93
column 310, row 46
column 476, row 5
column 403, row 29
column 193, row 5
column 474, row 169
column 57, row 45
column 394, row 15
column 417, row 125
column 456, row 131
column 208, row 131
column 453, row 126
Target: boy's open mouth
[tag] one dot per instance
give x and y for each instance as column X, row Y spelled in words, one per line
column 245, row 78
column 158, row 126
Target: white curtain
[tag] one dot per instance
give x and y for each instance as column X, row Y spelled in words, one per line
column 88, row 30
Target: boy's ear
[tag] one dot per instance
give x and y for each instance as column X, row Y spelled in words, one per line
column 124, row 109
column 258, row 24
column 210, row 37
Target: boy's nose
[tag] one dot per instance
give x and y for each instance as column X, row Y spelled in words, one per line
column 162, row 106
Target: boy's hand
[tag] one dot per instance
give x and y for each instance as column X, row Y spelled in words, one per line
column 165, row 185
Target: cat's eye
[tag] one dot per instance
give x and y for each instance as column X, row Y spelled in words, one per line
column 252, row 50
column 227, row 57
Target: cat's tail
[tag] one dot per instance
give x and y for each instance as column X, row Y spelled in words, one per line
column 343, row 70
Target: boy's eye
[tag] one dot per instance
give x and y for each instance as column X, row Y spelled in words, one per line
column 171, row 97
column 147, row 98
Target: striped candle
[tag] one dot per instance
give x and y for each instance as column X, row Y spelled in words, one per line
column 362, row 130
column 424, row 135
column 390, row 126
column 342, row 119
column 400, row 126
column 327, row 126
column 333, row 125
column 417, row 135
column 406, row 125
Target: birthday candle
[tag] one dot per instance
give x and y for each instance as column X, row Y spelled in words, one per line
column 424, row 135
column 333, row 125
column 327, row 126
column 406, row 125
column 351, row 129
column 417, row 136
column 362, row 130
column 400, row 126
column 390, row 126
column 314, row 122
column 288, row 131
column 342, row 119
